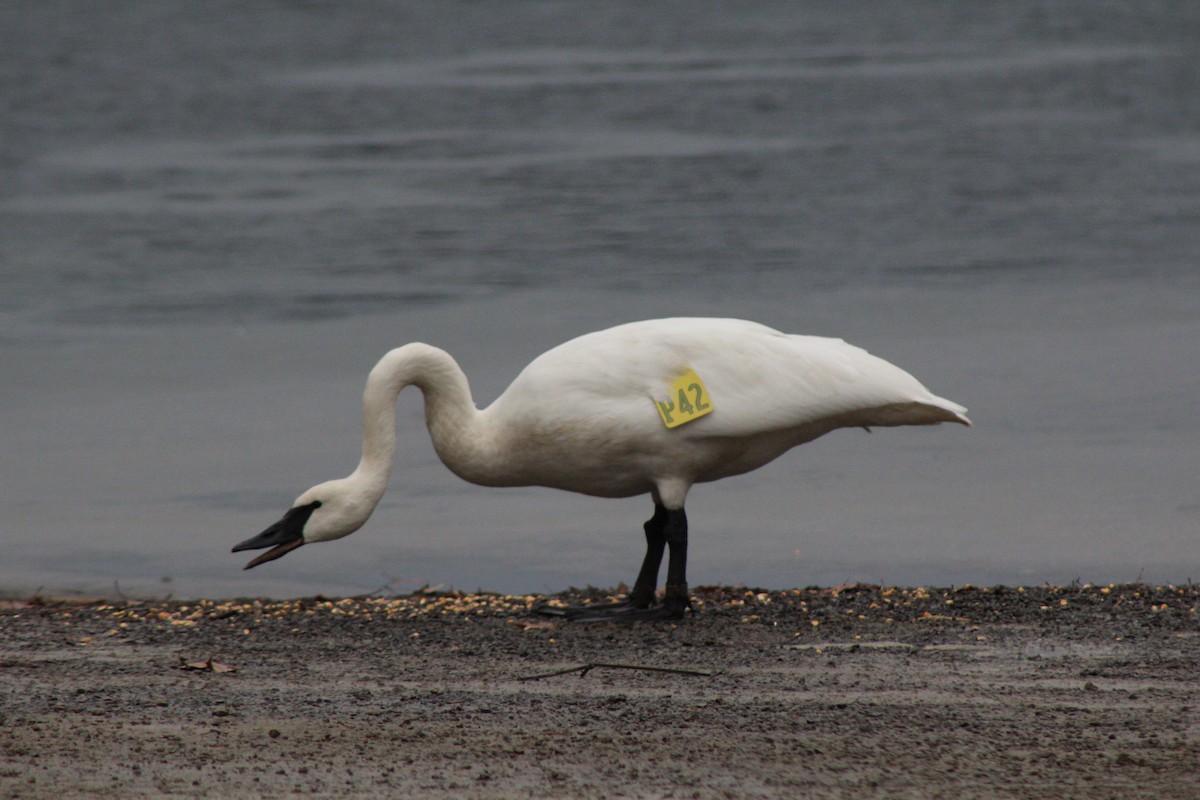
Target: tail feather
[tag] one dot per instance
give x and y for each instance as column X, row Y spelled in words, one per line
column 928, row 412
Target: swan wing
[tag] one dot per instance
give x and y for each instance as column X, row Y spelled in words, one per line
column 782, row 382
column 757, row 379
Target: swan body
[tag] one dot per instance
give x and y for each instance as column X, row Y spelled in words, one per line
column 585, row 417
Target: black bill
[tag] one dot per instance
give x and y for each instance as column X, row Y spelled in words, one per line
column 283, row 537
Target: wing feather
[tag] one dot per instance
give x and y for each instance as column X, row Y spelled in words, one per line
column 758, row 379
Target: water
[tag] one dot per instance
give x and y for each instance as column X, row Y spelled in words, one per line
column 213, row 220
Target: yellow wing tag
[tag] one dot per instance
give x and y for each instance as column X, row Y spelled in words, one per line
column 687, row 401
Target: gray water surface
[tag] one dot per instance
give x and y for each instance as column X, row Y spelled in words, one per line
column 213, row 219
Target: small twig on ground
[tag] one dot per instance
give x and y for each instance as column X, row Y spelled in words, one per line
column 384, row 590
column 586, row 668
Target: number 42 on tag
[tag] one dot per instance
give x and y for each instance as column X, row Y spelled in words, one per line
column 687, row 401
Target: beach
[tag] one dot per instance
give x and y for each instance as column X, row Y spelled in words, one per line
column 857, row 691
column 214, row 219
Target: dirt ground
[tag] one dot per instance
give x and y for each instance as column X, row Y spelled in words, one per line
column 860, row 691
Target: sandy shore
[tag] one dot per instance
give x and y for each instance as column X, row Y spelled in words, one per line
column 855, row 692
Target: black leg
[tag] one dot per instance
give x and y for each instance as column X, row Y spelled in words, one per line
column 665, row 529
column 677, row 599
column 642, row 595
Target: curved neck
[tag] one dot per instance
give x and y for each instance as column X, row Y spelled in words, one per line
column 455, row 425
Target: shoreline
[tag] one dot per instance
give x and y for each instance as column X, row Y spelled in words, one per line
column 863, row 691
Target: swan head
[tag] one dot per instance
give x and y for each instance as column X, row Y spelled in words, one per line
column 327, row 511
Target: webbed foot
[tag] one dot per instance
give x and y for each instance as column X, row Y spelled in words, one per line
column 628, row 613
column 672, row 607
column 605, row 610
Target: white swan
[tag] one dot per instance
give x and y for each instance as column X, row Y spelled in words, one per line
column 644, row 408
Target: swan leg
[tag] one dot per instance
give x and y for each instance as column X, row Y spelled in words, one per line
column 676, row 599
column 642, row 595
column 665, row 529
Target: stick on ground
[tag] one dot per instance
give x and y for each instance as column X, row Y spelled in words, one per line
column 586, row 668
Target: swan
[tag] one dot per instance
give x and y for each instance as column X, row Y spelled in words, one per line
column 646, row 407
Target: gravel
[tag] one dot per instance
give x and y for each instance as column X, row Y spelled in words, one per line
column 857, row 691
